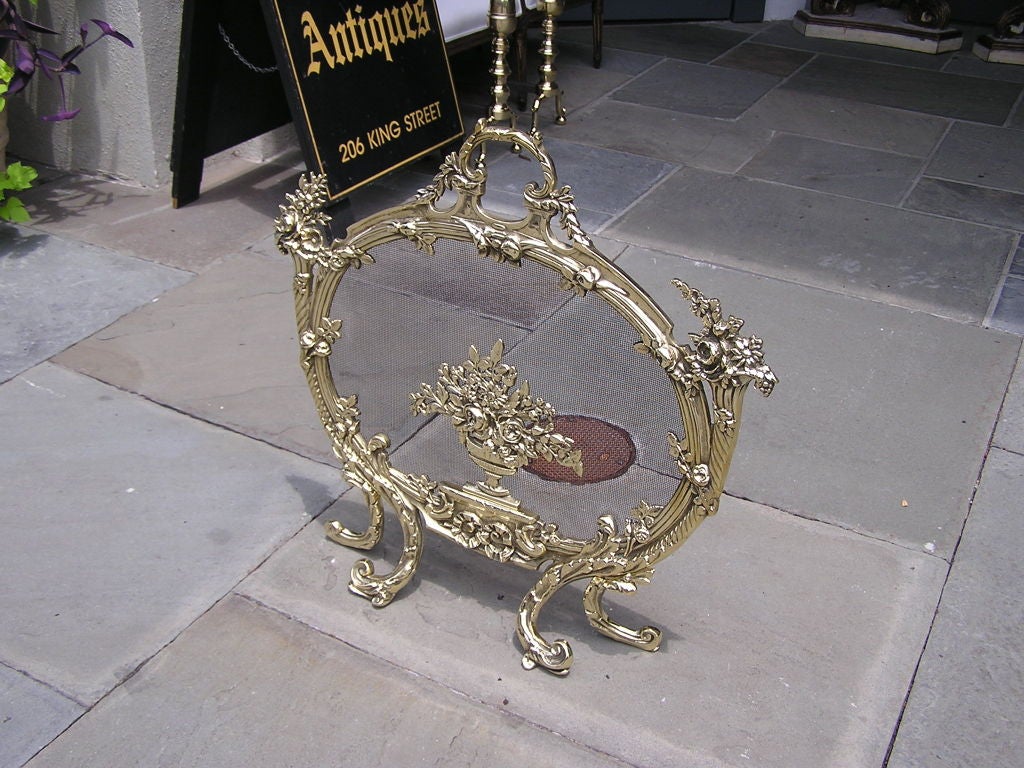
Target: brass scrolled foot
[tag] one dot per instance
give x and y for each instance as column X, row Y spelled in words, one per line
column 555, row 657
column 646, row 638
column 338, row 533
column 381, row 590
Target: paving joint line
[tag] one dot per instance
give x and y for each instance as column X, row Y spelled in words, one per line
column 925, row 162
column 945, row 582
column 44, row 683
column 656, row 185
column 997, row 293
column 840, row 526
column 193, row 416
column 931, row 312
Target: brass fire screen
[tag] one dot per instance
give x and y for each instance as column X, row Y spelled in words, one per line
column 502, row 384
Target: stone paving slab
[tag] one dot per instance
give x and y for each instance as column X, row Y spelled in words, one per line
column 54, row 292
column 247, row 686
column 769, row 59
column 955, row 96
column 1010, row 429
column 603, row 180
column 227, row 217
column 964, row 708
column 31, row 715
column 124, row 521
column 870, row 402
column 703, row 142
column 694, row 42
column 981, row 154
column 612, row 59
column 224, row 349
column 788, row 643
column 697, row 89
column 825, row 166
column 847, row 122
column 910, row 259
column 581, row 84
column 969, row 202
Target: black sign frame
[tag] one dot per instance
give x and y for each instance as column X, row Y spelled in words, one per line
column 368, row 83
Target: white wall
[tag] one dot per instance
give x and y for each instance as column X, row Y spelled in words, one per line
column 126, row 94
column 782, row 9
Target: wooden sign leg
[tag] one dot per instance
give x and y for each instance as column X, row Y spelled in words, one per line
column 196, row 76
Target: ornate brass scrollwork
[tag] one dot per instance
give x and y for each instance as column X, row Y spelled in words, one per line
column 501, row 424
column 499, row 421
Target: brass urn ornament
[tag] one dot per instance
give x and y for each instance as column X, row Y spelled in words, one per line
column 529, row 451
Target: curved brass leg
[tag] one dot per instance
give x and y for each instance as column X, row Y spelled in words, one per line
column 370, row 537
column 555, row 657
column 381, row 590
column 645, row 638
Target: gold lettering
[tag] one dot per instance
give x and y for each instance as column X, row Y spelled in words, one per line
column 379, row 35
column 377, row 137
column 362, row 29
column 407, row 14
column 351, row 24
column 355, row 35
column 394, row 26
column 420, row 117
column 316, row 44
column 342, row 53
column 422, row 20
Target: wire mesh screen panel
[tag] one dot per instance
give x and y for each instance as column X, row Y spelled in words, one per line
column 410, row 312
column 583, row 361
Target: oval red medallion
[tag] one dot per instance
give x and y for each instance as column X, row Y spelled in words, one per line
column 607, row 451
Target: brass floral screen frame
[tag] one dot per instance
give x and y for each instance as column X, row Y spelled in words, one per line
column 500, row 423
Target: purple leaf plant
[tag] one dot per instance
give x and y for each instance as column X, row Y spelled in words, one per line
column 28, row 58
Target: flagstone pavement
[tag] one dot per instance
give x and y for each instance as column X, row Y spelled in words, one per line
column 168, row 596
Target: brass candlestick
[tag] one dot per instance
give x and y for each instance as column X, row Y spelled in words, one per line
column 503, row 22
column 547, row 86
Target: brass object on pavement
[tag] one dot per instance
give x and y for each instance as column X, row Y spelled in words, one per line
column 499, row 422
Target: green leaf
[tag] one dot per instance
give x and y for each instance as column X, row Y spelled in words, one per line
column 18, row 176
column 13, row 210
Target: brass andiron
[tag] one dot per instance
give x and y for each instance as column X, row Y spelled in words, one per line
column 503, row 23
column 499, row 421
column 547, row 87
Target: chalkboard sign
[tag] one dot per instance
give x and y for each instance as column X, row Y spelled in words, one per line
column 228, row 87
column 367, row 81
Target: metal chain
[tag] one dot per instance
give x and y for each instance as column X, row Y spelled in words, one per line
column 240, row 57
